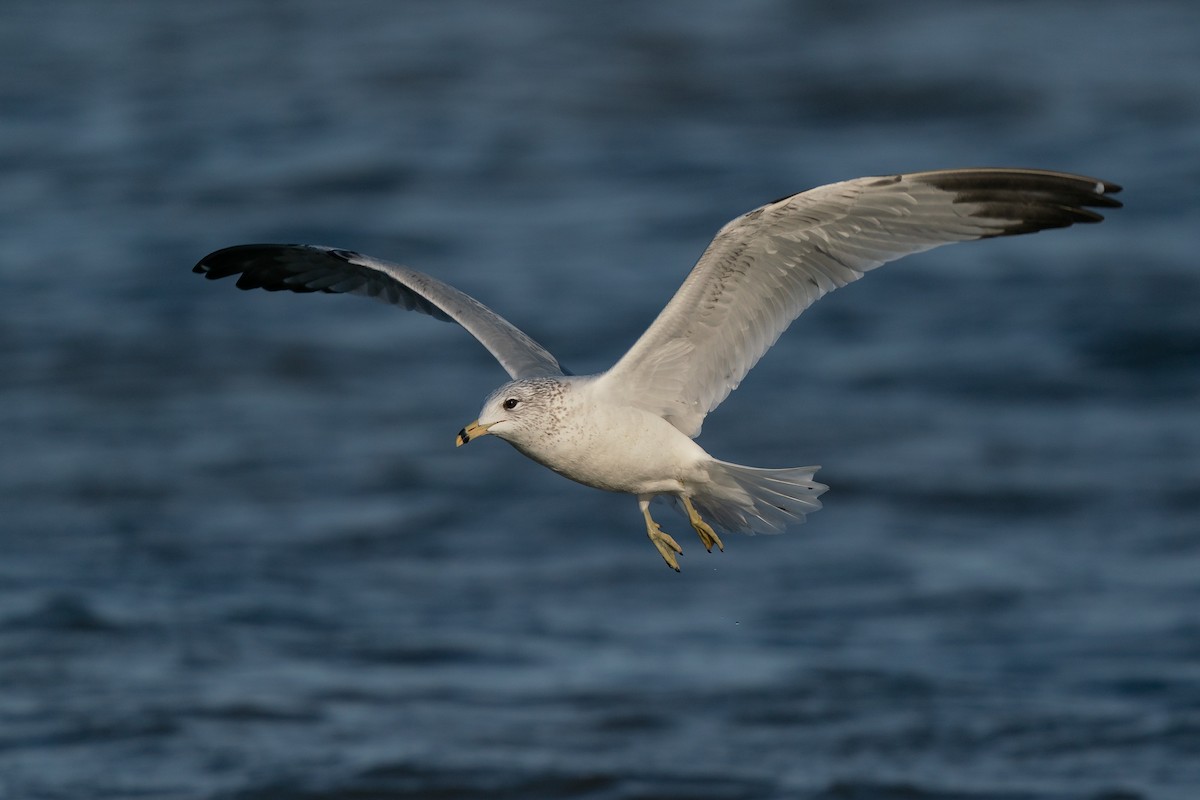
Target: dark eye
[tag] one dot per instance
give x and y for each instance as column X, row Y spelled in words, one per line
column 510, row 403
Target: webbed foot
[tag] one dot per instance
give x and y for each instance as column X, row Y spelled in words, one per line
column 666, row 545
column 707, row 535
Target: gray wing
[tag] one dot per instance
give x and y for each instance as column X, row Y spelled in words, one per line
column 765, row 267
column 308, row 268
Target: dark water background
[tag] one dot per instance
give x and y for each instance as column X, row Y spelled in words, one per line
column 241, row 558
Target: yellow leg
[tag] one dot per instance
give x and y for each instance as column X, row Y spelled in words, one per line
column 707, row 535
column 667, row 546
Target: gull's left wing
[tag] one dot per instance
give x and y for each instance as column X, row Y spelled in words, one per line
column 767, row 266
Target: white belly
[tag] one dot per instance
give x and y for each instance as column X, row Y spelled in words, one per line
column 621, row 449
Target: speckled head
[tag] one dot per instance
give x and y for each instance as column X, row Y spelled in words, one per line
column 519, row 411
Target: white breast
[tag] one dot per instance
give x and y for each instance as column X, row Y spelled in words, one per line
column 616, row 447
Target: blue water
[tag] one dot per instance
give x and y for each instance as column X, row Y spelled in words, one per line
column 241, row 558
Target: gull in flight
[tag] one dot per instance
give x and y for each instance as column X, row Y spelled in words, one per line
column 631, row 428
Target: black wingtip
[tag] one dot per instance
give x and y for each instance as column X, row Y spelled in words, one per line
column 344, row 255
column 1029, row 200
column 236, row 259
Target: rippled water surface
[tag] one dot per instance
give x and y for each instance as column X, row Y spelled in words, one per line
column 242, row 559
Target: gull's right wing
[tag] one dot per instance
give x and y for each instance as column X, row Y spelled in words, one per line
column 309, row 268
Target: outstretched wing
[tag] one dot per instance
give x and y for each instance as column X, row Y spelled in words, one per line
column 767, row 266
column 308, row 268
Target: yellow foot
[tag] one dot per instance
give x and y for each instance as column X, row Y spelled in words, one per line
column 667, row 546
column 707, row 535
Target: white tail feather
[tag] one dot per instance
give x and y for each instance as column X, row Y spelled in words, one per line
column 750, row 500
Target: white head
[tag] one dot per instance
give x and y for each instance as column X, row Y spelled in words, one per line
column 517, row 412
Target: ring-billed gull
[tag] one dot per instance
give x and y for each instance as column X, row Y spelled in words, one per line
column 631, row 429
